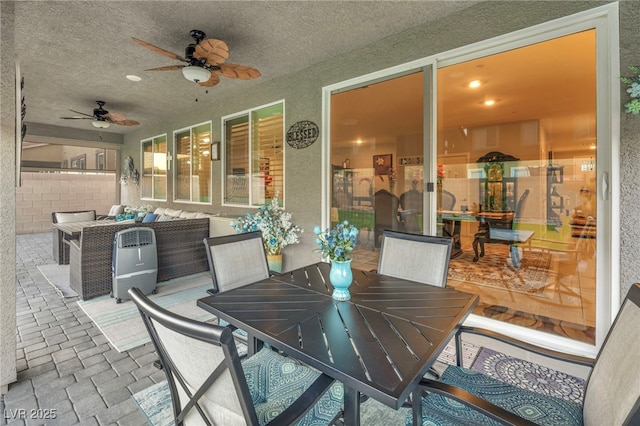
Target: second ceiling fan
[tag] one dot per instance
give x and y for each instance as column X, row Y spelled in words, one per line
column 204, row 61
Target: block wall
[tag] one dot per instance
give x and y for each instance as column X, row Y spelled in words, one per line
column 44, row 193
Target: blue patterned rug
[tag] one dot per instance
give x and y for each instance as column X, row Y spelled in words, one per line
column 527, row 375
column 155, row 401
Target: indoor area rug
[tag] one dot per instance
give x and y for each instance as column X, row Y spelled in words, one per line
column 58, row 277
column 121, row 322
column 495, row 270
column 528, row 375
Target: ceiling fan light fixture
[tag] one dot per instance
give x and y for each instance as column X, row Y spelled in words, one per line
column 196, row 74
column 101, row 124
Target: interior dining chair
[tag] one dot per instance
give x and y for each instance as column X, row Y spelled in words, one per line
column 611, row 394
column 210, row 384
column 415, row 257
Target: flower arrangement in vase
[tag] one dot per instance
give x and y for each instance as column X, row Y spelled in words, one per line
column 277, row 230
column 336, row 245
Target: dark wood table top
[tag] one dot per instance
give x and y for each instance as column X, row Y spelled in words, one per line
column 379, row 343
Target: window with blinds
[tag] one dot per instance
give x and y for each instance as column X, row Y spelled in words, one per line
column 192, row 159
column 154, row 168
column 254, row 156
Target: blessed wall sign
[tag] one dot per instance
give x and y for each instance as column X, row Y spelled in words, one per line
column 302, row 134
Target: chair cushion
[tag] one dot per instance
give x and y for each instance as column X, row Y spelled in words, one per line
column 275, row 381
column 538, row 408
column 188, row 215
column 75, row 217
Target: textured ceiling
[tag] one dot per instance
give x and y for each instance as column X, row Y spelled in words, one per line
column 73, row 53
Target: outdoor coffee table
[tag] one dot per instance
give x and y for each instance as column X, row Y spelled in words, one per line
column 379, row 343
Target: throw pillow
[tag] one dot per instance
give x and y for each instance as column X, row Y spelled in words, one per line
column 149, row 217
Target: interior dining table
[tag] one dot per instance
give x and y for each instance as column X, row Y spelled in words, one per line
column 380, row 343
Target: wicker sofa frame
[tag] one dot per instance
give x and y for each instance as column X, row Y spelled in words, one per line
column 179, row 245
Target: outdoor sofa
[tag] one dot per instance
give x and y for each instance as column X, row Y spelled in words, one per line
column 179, row 246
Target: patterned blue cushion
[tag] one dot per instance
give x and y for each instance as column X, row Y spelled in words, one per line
column 275, row 382
column 540, row 409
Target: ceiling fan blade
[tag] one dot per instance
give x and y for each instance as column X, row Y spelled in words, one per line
column 114, row 116
column 167, row 68
column 213, row 80
column 158, row 50
column 125, row 122
column 241, row 72
column 214, row 50
column 81, row 113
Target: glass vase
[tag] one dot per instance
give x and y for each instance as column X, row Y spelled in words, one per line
column 341, row 277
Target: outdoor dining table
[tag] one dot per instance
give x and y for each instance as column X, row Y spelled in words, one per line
column 68, row 231
column 379, row 343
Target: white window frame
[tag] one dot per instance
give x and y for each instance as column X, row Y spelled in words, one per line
column 223, row 156
column 153, row 175
column 174, row 157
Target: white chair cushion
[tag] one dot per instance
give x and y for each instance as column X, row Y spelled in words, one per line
column 188, row 215
column 116, row 209
column 159, row 211
column 75, row 217
column 172, row 213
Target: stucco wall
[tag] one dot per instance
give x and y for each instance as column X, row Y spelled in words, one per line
column 44, row 193
column 7, row 202
column 302, row 93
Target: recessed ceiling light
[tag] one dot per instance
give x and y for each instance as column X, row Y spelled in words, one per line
column 475, row 83
column 489, row 102
column 134, row 77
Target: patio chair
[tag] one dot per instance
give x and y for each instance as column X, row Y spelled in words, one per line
column 60, row 243
column 210, row 384
column 421, row 258
column 236, row 260
column 611, row 395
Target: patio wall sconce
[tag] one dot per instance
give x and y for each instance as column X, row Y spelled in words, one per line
column 129, row 173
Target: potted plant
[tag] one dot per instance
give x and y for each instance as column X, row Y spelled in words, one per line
column 336, row 245
column 277, row 230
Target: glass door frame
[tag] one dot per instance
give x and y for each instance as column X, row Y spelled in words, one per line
column 605, row 20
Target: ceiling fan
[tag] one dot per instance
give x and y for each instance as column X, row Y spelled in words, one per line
column 102, row 118
column 205, row 61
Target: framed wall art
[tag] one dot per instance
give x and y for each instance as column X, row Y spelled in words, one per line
column 382, row 164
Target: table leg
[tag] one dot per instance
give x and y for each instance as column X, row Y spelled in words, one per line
column 515, row 256
column 351, row 406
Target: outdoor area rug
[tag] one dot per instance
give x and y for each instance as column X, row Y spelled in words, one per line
column 527, row 375
column 495, row 270
column 58, row 277
column 155, row 401
column 121, row 323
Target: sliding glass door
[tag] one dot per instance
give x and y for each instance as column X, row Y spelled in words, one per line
column 377, row 159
